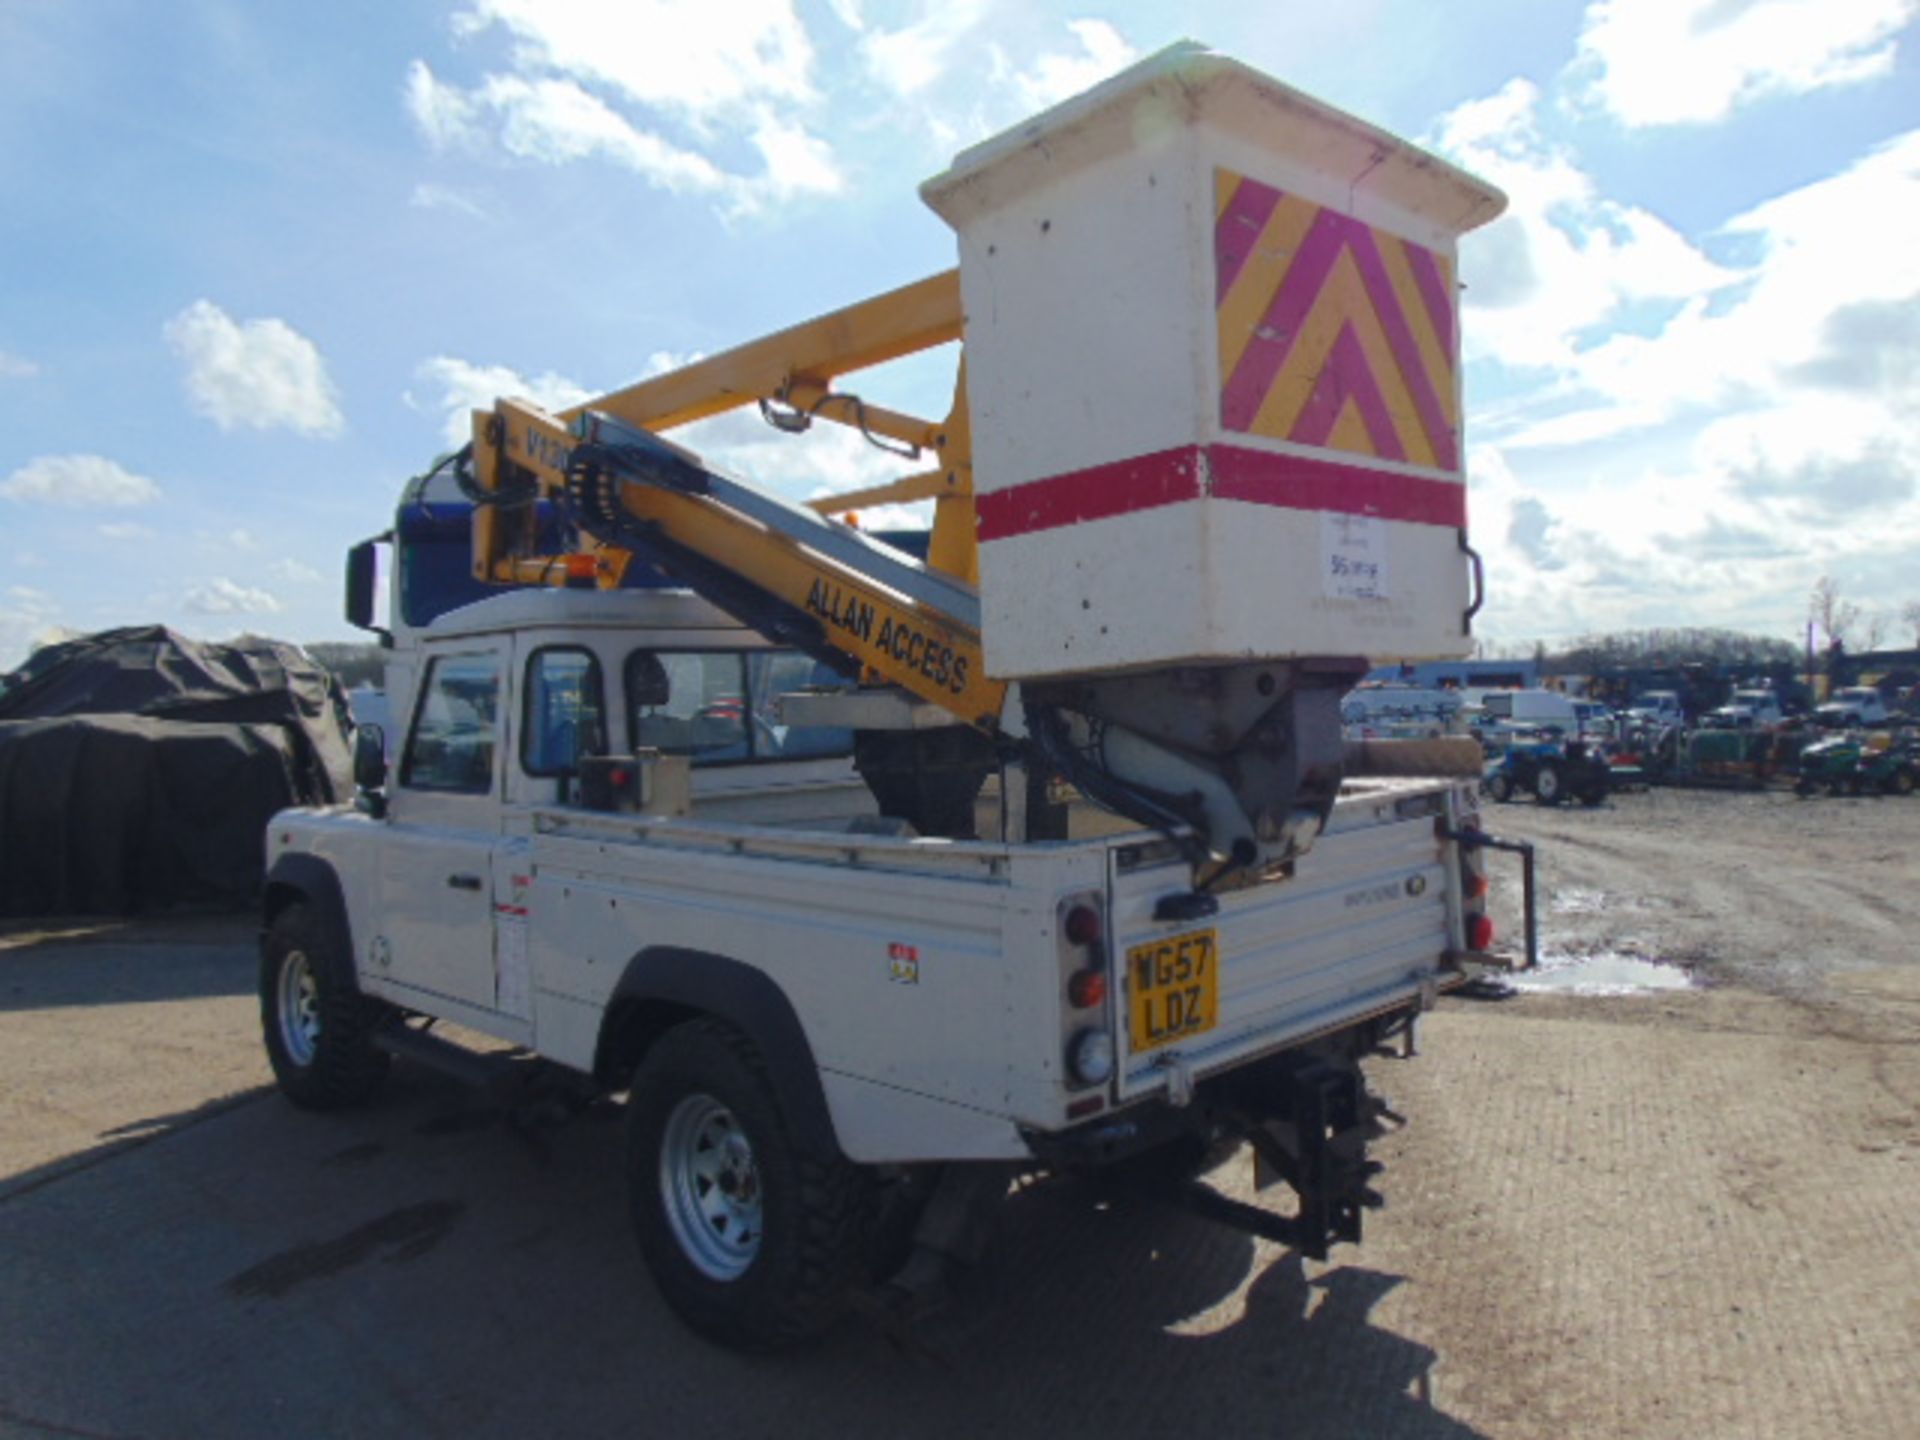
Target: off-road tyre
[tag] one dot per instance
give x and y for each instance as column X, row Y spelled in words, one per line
column 813, row 1249
column 1900, row 782
column 331, row 1063
column 1550, row 786
column 1500, row 788
column 1804, row 788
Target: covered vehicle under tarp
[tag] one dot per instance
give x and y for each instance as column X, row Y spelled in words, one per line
column 138, row 768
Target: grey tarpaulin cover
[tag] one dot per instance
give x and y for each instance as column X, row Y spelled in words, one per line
column 138, row 768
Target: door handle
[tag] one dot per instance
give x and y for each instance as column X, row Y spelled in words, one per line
column 464, row 882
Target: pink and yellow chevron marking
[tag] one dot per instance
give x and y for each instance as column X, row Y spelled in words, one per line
column 1332, row 333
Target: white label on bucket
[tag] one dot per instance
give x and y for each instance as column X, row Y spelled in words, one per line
column 1353, row 556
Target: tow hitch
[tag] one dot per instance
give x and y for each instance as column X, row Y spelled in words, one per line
column 1311, row 1130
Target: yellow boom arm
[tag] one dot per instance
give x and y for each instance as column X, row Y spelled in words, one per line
column 930, row 648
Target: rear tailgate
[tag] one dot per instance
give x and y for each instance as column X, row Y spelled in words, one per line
column 1361, row 926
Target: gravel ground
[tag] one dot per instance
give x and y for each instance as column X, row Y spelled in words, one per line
column 1676, row 1213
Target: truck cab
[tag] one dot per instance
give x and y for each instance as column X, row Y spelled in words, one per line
column 1658, row 707
column 1748, row 709
column 1854, row 705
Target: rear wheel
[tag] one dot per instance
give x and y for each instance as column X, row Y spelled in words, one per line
column 754, row 1243
column 317, row 1025
column 1900, row 782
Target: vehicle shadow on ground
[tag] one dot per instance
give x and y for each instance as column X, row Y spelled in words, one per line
column 432, row 1265
column 1172, row 1324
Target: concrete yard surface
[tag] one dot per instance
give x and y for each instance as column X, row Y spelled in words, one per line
column 1680, row 1213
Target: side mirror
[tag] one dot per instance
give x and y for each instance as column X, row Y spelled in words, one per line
column 370, row 768
column 362, row 576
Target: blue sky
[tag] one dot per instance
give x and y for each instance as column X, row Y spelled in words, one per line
column 256, row 260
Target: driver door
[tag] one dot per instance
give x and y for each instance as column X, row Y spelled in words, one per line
column 444, row 824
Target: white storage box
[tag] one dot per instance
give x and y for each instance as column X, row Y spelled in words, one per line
column 1213, row 363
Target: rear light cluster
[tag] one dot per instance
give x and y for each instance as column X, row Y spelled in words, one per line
column 1086, row 1019
column 1476, row 925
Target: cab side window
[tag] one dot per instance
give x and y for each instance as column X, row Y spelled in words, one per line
column 722, row 706
column 564, row 711
column 455, row 727
column 689, row 703
column 773, row 673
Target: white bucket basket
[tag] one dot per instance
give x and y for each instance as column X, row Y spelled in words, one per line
column 1213, row 364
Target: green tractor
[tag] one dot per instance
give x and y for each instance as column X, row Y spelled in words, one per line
column 1843, row 765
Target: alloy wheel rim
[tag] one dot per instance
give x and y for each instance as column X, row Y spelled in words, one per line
column 299, row 996
column 710, row 1187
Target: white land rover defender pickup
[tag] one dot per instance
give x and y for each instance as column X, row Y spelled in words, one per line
column 875, row 873
column 824, row 1022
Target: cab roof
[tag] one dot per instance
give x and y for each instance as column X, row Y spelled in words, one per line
column 583, row 609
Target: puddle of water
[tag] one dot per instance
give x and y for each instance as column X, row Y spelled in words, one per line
column 1604, row 972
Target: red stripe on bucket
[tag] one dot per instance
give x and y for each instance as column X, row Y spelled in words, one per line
column 1229, row 472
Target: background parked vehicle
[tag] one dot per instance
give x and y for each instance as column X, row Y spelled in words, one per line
column 1658, row 707
column 1552, row 771
column 1853, row 765
column 1854, row 705
column 1747, row 708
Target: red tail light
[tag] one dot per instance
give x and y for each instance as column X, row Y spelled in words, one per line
column 1480, row 933
column 1083, row 925
column 1477, row 887
column 1087, row 988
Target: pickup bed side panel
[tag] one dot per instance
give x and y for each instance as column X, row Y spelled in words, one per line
column 901, row 980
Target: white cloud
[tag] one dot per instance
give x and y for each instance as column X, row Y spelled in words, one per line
column 556, row 121
column 465, row 387
column 1680, row 441
column 443, row 197
column 689, row 55
column 16, row 367
column 908, row 60
column 1564, row 259
column 221, row 596
column 949, row 78
column 1053, row 77
column 29, row 618
column 77, row 480
column 667, row 89
column 295, row 571
column 1667, row 62
column 254, row 374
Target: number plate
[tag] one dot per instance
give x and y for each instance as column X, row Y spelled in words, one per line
column 1173, row 988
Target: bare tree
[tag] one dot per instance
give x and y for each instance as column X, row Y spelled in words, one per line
column 1835, row 616
column 1875, row 632
column 1911, row 614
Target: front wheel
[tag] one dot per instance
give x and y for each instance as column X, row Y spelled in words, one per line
column 317, row 1025
column 1900, row 782
column 754, row 1243
column 1500, row 787
column 1549, row 787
